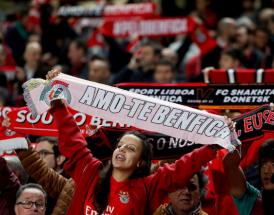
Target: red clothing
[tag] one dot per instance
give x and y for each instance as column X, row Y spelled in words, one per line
column 9, row 184
column 128, row 197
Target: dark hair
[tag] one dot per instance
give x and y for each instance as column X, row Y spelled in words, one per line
column 53, row 141
column 165, row 63
column 80, row 44
column 102, row 188
column 262, row 29
column 234, row 53
column 266, row 150
column 96, row 57
column 157, row 49
column 31, row 185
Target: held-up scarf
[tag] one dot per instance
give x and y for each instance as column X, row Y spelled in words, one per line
column 121, row 106
column 250, row 126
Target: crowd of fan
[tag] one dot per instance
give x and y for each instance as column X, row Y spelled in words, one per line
column 243, row 41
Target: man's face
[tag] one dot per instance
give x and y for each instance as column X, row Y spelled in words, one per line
column 242, row 37
column 45, row 149
column 163, row 74
column 186, row 199
column 30, row 202
column 75, row 54
column 267, row 170
column 227, row 62
column 33, row 54
column 261, row 39
column 147, row 57
column 98, row 71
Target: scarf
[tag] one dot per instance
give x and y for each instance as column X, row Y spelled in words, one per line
column 129, row 108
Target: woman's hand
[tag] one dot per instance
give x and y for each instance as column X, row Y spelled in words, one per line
column 52, row 74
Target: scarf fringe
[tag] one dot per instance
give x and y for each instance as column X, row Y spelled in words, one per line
column 29, row 86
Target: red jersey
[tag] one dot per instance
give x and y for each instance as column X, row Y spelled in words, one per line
column 134, row 196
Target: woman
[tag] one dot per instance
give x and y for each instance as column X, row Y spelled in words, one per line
column 124, row 186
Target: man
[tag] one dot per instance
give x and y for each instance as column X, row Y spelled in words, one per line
column 30, row 199
column 231, row 59
column 40, row 166
column 226, row 32
column 77, row 55
column 164, row 72
column 99, row 70
column 226, row 35
column 142, row 64
column 187, row 200
column 32, row 57
column 248, row 199
column 244, row 41
column 48, row 150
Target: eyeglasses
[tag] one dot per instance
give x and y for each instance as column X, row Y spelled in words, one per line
column 29, row 204
column 43, row 153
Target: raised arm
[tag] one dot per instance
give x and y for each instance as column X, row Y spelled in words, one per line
column 244, row 194
column 71, row 142
column 171, row 177
column 52, row 182
column 234, row 173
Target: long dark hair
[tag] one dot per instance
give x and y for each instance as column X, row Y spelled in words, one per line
column 102, row 187
column 266, row 151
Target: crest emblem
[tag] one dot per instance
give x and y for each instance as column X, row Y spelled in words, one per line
column 55, row 90
column 124, row 197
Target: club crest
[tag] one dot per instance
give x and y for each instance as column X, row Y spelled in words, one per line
column 55, row 90
column 124, row 197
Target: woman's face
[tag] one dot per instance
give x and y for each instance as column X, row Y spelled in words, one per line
column 127, row 155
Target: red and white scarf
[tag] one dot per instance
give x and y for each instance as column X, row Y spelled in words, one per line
column 129, row 108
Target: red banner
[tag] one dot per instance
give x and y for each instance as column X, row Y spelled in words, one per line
column 148, row 27
column 9, row 139
column 23, row 122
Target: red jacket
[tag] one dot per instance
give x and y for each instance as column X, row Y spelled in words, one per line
column 84, row 169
